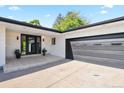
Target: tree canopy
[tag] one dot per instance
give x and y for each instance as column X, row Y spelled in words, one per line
column 35, row 22
column 69, row 21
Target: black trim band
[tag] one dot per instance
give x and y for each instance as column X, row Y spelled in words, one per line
column 27, row 24
column 53, row 30
column 99, row 37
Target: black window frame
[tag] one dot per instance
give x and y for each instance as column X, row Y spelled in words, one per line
column 28, row 35
column 53, row 41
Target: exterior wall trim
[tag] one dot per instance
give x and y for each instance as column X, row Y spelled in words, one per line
column 27, row 24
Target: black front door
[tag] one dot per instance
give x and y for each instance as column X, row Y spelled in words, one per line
column 30, row 44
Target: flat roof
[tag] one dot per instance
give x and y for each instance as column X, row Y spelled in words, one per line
column 98, row 23
column 57, row 31
column 3, row 19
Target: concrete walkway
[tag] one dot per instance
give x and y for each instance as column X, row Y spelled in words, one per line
column 71, row 74
column 29, row 61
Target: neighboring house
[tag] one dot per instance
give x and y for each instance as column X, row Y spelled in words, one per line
column 102, row 39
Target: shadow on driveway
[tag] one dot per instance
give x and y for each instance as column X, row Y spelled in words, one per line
column 102, row 61
column 11, row 75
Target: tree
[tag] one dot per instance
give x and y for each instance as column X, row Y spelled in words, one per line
column 35, row 22
column 58, row 19
column 69, row 21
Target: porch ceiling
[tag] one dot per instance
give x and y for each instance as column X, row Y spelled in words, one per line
column 28, row 30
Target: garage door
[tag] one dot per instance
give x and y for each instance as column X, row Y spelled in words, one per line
column 103, row 49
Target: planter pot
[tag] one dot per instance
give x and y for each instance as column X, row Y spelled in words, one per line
column 44, row 51
column 18, row 54
column 44, row 54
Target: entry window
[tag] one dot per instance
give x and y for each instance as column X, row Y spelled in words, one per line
column 53, row 41
column 30, row 44
column 23, row 44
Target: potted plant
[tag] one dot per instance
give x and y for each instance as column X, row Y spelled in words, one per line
column 18, row 53
column 44, row 51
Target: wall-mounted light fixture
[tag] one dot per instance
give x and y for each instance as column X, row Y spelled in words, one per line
column 43, row 38
column 17, row 37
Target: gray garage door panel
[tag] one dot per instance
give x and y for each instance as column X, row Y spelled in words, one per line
column 101, row 61
column 96, row 47
column 100, row 51
column 102, row 55
column 107, row 49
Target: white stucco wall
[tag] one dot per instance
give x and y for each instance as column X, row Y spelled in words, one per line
column 46, row 43
column 58, row 48
column 2, row 45
column 98, row 30
column 12, row 43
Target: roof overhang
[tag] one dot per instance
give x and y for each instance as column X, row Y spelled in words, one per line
column 110, row 21
column 27, row 29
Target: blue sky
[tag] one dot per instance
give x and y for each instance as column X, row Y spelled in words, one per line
column 47, row 14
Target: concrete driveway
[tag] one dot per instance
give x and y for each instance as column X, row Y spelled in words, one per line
column 72, row 74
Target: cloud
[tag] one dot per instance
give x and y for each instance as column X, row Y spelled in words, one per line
column 11, row 17
column 48, row 15
column 107, row 6
column 13, row 8
column 103, row 11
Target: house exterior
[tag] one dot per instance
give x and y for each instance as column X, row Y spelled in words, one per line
column 102, row 39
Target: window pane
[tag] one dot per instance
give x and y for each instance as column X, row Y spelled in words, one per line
column 38, row 44
column 53, row 41
column 23, row 44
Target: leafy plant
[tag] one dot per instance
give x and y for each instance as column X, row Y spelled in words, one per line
column 69, row 21
column 35, row 22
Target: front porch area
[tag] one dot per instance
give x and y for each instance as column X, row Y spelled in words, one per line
column 29, row 61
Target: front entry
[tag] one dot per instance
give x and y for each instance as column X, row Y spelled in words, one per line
column 30, row 44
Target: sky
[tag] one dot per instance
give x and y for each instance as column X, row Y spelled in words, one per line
column 48, row 13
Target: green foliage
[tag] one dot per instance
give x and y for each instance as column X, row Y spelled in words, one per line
column 35, row 22
column 69, row 21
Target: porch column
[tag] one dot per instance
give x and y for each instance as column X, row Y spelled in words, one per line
column 2, row 45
